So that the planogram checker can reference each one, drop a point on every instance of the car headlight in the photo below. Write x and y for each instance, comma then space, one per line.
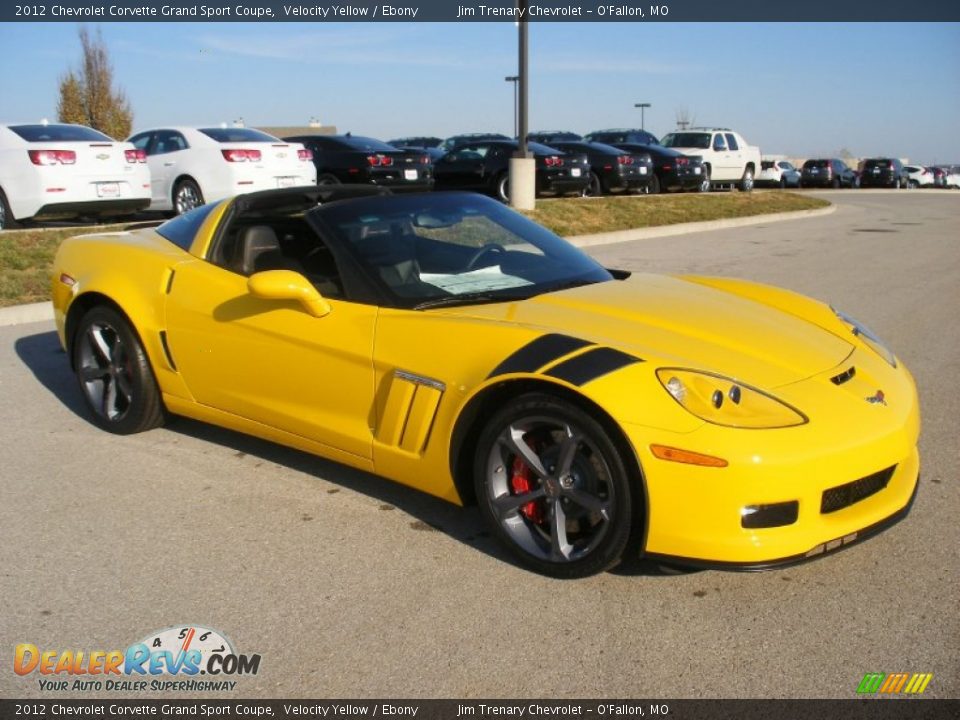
868, 336
723, 401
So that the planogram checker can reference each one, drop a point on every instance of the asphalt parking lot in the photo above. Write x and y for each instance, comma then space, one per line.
348, 586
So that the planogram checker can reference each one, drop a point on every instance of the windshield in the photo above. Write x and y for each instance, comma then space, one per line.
699, 140
454, 249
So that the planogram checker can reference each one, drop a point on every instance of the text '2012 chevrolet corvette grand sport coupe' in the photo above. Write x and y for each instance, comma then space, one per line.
450, 344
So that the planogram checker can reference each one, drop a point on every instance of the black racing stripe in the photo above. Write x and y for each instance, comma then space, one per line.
590, 365
537, 353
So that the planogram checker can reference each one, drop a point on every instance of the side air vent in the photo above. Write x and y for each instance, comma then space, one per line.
844, 376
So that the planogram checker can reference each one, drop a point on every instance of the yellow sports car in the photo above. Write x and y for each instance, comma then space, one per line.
450, 344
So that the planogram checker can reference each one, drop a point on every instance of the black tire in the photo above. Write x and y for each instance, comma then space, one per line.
746, 181
595, 188
568, 465
501, 187
654, 186
783, 183
328, 179
114, 374
912, 184
7, 222
186, 196
835, 184
896, 184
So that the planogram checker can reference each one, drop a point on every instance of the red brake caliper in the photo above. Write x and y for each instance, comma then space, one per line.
522, 482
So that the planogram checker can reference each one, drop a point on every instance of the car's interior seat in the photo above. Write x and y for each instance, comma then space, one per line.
261, 251
391, 251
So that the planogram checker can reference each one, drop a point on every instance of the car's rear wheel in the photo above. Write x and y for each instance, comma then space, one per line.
328, 179
835, 184
912, 184
114, 374
746, 181
783, 183
6, 214
595, 188
186, 196
896, 184
553, 487
654, 187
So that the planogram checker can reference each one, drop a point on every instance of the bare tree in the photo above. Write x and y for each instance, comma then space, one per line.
87, 96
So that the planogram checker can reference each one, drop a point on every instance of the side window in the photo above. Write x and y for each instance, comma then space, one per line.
168, 141
470, 152
254, 244
732, 142
718, 144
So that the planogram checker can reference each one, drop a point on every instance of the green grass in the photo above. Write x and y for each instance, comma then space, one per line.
616, 213
26, 256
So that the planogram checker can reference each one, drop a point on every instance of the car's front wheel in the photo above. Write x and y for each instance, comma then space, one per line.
186, 196
114, 374
553, 487
501, 187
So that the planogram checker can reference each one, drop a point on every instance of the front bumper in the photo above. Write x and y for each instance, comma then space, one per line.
696, 514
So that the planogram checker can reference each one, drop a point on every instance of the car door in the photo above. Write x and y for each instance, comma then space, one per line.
165, 155
271, 361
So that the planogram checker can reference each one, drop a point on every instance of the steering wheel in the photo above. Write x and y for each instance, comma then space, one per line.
491, 248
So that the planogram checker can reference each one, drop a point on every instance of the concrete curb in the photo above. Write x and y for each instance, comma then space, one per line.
23, 314
619, 236
42, 312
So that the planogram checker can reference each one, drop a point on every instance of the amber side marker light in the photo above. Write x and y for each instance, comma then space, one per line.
673, 454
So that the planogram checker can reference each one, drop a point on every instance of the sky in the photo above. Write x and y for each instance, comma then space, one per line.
796, 89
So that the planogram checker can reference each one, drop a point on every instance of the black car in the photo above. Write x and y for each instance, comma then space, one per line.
618, 136
611, 169
672, 170
884, 172
356, 159
483, 165
552, 137
828, 172
455, 141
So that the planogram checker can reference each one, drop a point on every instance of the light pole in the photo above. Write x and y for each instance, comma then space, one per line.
514, 79
523, 171
642, 106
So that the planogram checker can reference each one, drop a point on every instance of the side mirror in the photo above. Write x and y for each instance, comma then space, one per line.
288, 285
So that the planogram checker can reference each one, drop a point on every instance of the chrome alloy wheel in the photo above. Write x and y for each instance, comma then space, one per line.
187, 198
550, 489
105, 371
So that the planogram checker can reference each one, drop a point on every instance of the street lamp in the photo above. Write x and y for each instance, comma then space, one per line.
514, 79
642, 106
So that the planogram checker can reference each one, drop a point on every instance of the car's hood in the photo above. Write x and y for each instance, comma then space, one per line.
674, 322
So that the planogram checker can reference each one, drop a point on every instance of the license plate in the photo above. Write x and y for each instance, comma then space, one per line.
284, 182
111, 189
574, 172
696, 171
876, 171
643, 170
409, 174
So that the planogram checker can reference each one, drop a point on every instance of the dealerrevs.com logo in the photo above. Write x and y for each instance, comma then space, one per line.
167, 660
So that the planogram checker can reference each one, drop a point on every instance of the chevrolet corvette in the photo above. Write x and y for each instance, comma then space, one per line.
448, 343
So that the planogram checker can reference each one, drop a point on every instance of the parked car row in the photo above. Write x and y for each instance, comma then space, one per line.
59, 170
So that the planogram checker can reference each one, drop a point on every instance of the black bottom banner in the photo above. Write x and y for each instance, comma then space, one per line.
865, 709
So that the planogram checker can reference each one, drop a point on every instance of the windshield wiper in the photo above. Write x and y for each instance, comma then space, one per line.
474, 298
568, 284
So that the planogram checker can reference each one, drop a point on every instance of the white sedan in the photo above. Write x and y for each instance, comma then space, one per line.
60, 170
193, 166
919, 176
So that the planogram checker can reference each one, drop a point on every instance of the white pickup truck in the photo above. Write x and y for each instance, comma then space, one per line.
727, 158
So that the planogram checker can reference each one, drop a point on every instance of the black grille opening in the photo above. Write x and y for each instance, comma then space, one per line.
846, 495
844, 376
767, 516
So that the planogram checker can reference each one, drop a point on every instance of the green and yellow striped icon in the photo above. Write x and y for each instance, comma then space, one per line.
893, 683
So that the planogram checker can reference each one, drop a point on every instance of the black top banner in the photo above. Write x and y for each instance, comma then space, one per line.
485, 11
